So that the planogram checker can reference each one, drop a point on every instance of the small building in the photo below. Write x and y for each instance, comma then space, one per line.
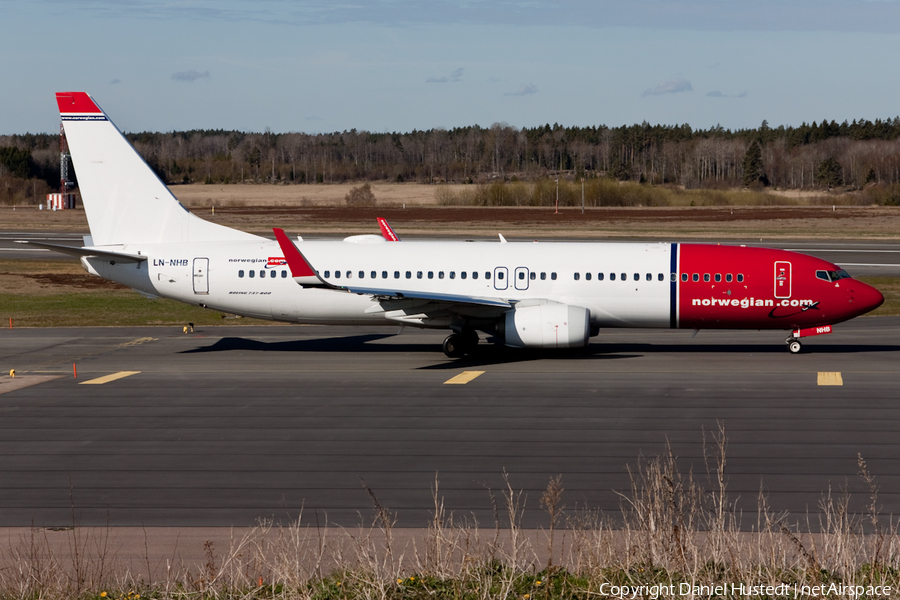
60, 201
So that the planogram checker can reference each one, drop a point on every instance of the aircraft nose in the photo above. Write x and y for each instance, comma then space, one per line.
865, 298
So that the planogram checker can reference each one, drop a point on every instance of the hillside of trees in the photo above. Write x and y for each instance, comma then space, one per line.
825, 155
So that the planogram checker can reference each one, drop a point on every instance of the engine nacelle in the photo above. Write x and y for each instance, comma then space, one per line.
550, 325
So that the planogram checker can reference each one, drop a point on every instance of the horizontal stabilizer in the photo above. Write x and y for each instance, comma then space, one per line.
76, 251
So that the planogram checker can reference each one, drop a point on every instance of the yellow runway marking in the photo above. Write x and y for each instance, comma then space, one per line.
464, 377
108, 378
830, 378
137, 342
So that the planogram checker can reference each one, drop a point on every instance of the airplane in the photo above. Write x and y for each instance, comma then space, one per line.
524, 294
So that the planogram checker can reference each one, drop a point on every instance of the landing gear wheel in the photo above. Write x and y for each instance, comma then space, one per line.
794, 346
454, 346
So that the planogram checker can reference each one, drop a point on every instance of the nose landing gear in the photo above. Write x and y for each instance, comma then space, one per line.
793, 341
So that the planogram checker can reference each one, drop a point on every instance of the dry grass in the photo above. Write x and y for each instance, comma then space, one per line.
386, 194
674, 529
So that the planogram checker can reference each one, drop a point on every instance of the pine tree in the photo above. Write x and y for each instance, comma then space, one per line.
753, 166
829, 172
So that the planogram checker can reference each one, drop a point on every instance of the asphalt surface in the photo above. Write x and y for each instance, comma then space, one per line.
228, 425
859, 258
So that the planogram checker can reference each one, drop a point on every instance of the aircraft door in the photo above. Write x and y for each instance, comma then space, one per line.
501, 278
521, 278
201, 275
782, 279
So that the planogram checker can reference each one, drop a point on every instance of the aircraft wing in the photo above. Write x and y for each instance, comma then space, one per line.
387, 231
306, 276
90, 252
398, 294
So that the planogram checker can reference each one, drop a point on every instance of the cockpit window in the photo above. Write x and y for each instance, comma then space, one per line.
832, 275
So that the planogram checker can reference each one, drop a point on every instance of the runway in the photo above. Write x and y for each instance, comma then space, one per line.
232, 424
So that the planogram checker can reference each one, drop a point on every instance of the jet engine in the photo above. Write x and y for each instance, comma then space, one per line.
549, 325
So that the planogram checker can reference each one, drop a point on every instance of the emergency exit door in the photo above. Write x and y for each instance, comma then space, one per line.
782, 279
201, 278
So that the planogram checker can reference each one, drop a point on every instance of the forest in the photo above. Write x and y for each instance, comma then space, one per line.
822, 155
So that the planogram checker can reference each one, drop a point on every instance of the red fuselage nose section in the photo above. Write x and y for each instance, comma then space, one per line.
759, 288
863, 297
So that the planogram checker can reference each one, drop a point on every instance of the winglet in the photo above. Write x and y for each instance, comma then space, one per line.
387, 231
301, 270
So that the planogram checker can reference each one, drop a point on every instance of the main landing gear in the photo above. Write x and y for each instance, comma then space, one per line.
458, 345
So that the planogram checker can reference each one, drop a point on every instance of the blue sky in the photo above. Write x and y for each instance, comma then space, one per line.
398, 65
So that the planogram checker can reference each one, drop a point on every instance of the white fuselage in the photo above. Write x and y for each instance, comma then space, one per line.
250, 278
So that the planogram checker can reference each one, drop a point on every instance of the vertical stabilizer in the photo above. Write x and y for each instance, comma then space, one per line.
124, 200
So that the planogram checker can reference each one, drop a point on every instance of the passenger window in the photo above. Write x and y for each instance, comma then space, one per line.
337, 274
452, 274
500, 275
262, 273
384, 275
440, 274
706, 277
487, 274
418, 274
474, 274
253, 273
728, 277
684, 276
374, 274
718, 277
430, 274
612, 276
396, 274
577, 276
409, 274
521, 275
587, 276
543, 276
327, 274
637, 276
349, 274
463, 274
662, 277
553, 276
533, 276
362, 274
283, 274
695, 277
624, 276
740, 277
241, 273
599, 276
650, 277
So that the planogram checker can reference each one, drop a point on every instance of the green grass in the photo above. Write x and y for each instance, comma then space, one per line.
106, 308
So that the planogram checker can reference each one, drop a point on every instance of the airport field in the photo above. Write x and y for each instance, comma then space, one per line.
320, 210
149, 485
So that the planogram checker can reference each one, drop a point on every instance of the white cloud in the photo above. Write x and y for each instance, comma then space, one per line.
454, 76
672, 86
718, 94
190, 76
524, 90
